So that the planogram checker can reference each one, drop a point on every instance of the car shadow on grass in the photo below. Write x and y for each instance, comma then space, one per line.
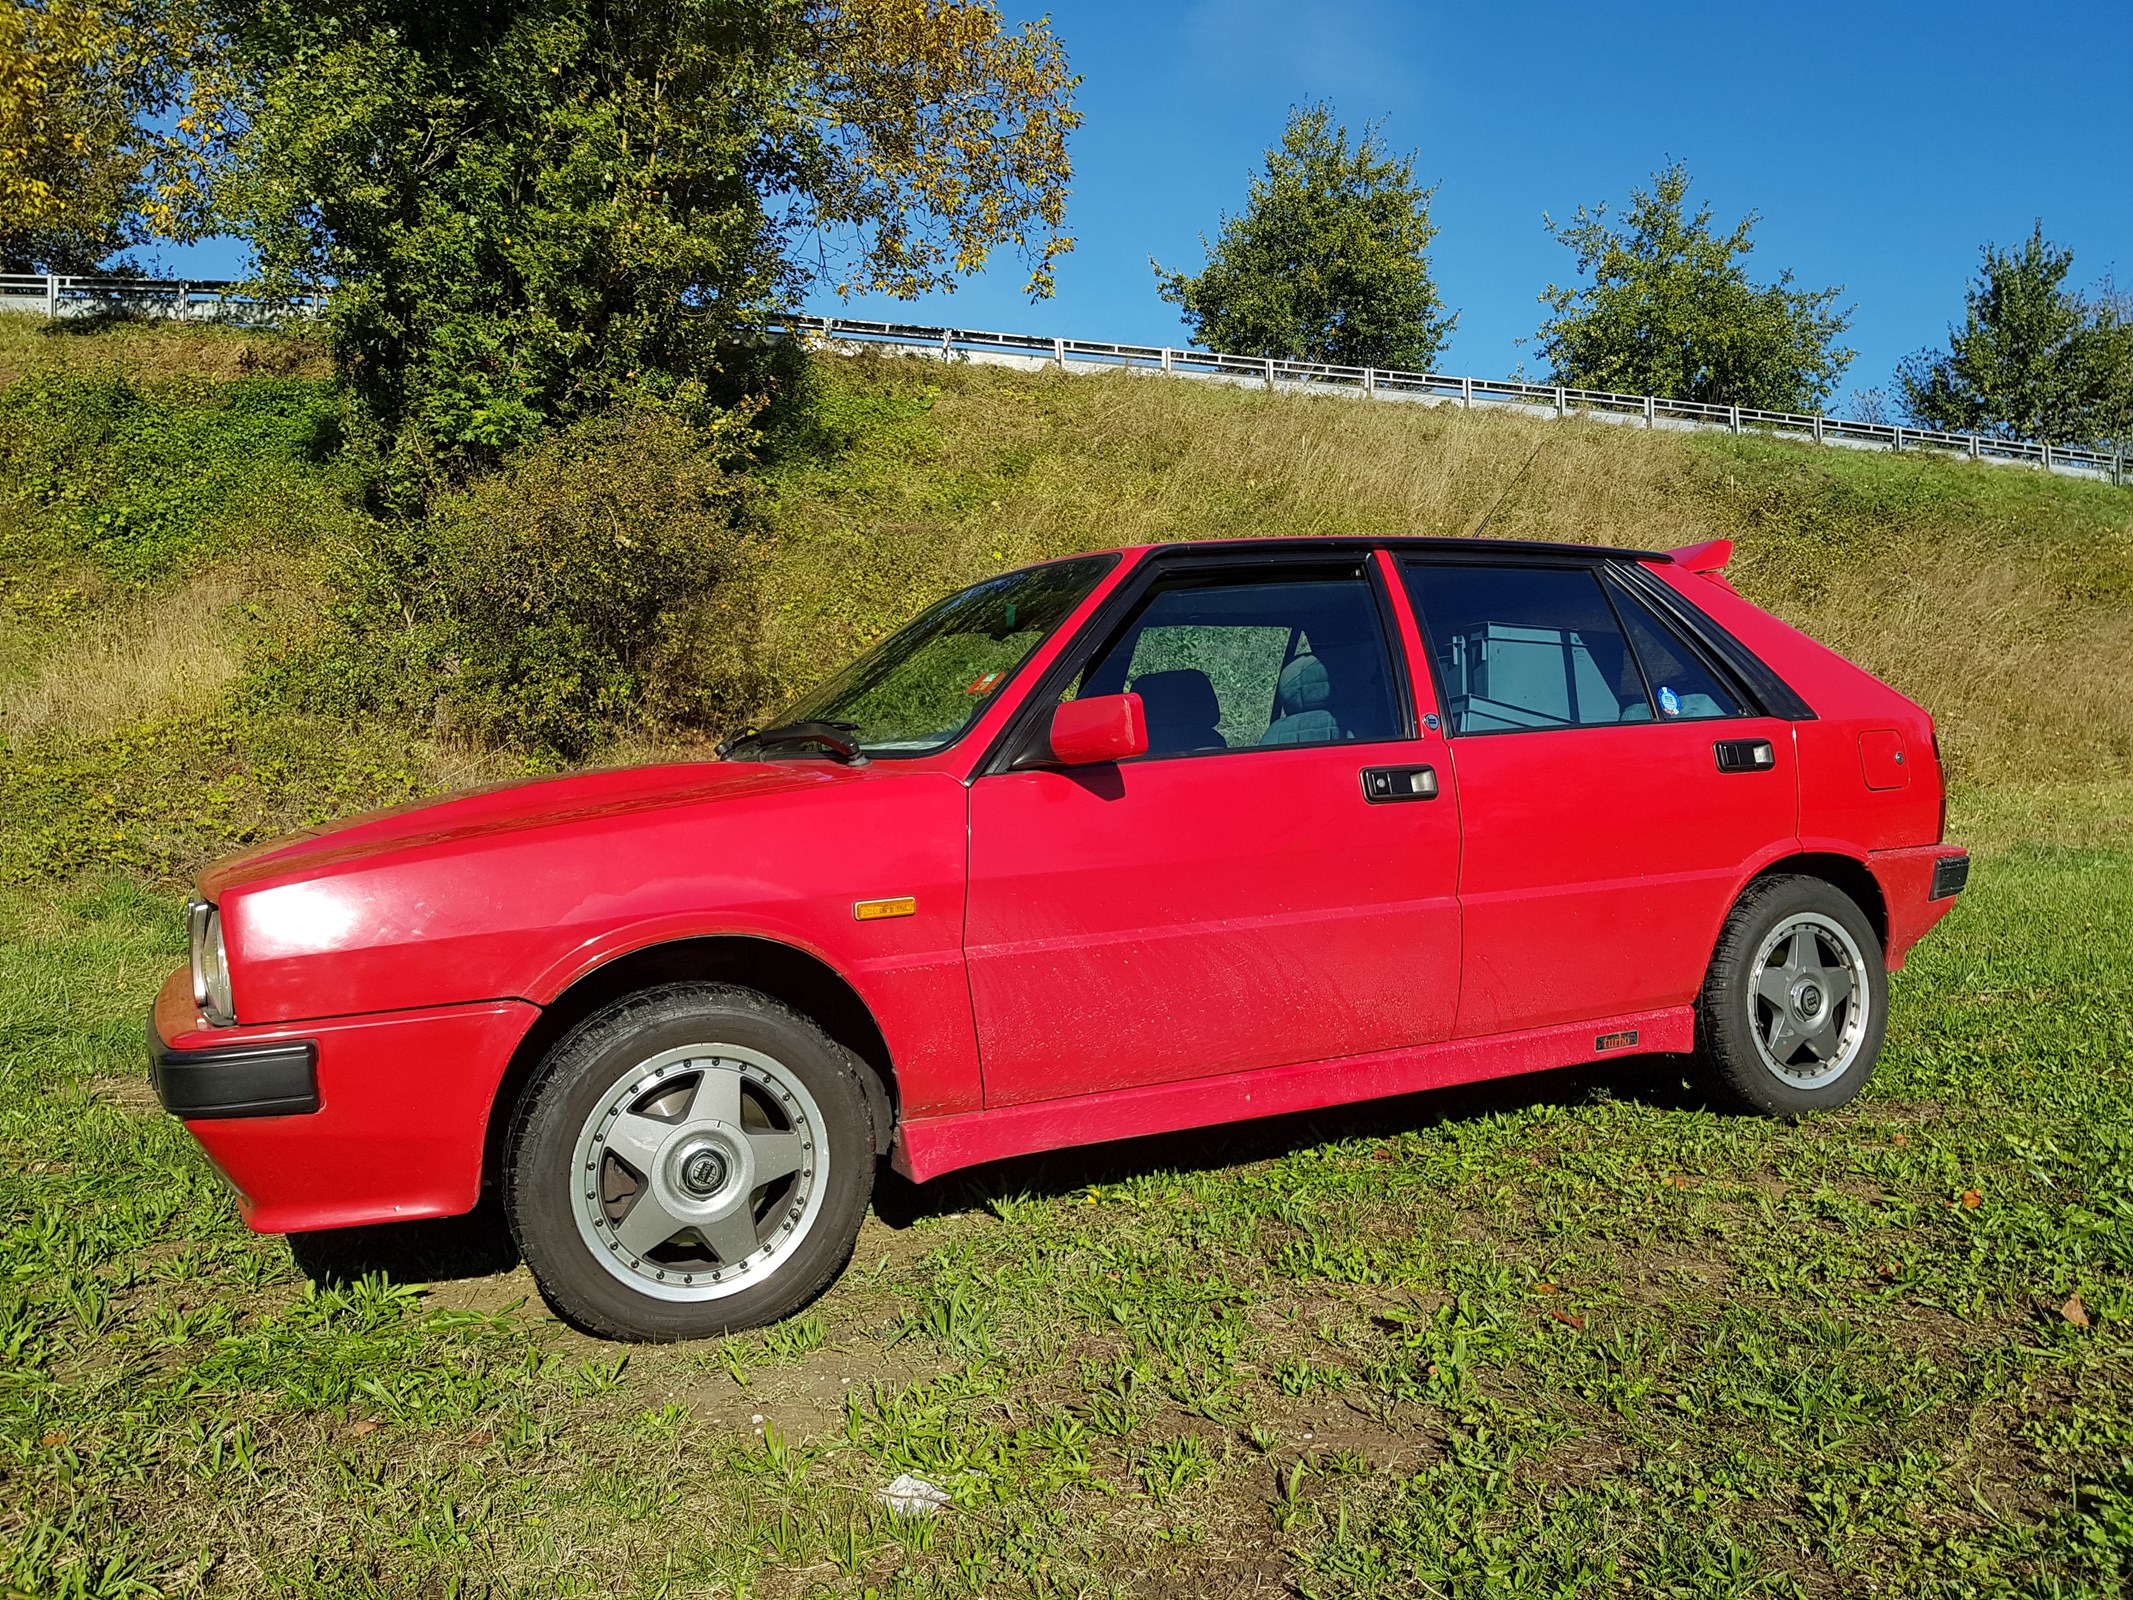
438, 1250
479, 1244
1664, 1083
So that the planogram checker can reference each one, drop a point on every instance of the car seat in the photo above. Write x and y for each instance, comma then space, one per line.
1303, 705
1182, 711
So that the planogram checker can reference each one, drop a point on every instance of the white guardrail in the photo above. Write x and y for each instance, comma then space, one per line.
216, 300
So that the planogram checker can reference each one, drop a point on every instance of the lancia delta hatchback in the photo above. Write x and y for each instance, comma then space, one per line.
1115, 845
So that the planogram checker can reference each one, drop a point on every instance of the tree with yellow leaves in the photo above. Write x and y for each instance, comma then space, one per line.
110, 117
524, 212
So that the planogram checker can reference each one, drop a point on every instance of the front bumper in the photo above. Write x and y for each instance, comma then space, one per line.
338, 1123
246, 1080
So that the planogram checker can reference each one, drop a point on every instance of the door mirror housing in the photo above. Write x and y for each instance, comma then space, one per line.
1103, 727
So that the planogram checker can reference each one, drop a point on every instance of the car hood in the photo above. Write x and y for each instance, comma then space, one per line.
512, 808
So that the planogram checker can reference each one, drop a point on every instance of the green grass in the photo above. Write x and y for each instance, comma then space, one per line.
1568, 1335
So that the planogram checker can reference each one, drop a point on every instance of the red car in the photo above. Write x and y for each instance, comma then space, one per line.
1118, 844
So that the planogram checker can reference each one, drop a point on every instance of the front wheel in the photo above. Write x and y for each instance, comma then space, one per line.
692, 1160
1796, 1001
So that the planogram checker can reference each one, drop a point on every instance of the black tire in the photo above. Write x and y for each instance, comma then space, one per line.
1744, 1052
584, 1086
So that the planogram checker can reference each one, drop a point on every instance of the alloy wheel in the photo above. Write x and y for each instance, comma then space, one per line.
699, 1172
1808, 1000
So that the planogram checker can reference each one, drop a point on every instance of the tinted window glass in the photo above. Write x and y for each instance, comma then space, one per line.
1684, 687
1526, 648
1269, 662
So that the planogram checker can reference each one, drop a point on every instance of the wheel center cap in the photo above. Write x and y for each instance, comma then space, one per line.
703, 1172
1808, 1000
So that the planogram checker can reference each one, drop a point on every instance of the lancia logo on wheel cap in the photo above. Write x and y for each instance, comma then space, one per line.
704, 1172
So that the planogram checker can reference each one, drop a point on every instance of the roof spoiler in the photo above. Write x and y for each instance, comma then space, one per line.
1710, 556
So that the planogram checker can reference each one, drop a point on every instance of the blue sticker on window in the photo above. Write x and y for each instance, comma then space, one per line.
1669, 702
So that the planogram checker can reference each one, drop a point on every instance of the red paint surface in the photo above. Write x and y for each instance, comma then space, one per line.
1103, 727
1906, 878
404, 1103
942, 1144
1882, 760
1095, 953
1601, 861
1171, 919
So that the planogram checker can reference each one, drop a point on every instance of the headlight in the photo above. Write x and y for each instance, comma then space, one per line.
211, 965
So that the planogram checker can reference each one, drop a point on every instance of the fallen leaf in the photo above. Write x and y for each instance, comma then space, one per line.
367, 1425
1971, 1199
52, 1441
2074, 1311
1569, 1319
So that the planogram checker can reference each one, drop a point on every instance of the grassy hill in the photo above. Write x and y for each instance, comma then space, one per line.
1570, 1334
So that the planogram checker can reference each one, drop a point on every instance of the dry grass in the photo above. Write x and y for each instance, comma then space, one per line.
153, 350
2024, 686
144, 658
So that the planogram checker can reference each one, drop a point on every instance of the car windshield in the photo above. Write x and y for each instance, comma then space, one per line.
917, 690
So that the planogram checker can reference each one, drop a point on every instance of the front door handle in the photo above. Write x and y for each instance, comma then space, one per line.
1388, 785
1744, 755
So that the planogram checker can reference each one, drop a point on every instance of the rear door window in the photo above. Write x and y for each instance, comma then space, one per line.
1520, 649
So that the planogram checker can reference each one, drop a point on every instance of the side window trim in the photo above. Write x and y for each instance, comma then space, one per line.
1629, 644
1394, 644
1694, 642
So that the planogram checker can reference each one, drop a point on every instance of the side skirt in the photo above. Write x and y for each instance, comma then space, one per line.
929, 1146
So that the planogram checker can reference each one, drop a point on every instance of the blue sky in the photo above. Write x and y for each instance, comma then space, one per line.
1881, 143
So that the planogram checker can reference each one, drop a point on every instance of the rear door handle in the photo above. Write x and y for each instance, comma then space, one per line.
1388, 785
1745, 755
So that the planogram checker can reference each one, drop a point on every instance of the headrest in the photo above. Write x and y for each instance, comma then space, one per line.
1183, 695
1303, 686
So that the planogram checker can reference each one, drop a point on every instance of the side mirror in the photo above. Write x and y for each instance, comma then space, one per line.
1104, 727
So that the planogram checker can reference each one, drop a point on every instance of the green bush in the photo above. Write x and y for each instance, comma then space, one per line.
164, 796
142, 479
586, 588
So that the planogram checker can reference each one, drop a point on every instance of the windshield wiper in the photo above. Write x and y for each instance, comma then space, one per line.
834, 737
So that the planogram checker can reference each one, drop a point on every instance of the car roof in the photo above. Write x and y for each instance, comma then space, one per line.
1304, 544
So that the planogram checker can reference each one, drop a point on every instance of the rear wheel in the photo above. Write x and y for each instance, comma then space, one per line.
1796, 1001
692, 1160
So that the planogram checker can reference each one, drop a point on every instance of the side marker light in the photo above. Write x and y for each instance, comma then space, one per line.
875, 910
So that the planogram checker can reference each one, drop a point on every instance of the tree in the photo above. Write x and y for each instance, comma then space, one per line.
535, 210
108, 113
1328, 262
2033, 359
1669, 311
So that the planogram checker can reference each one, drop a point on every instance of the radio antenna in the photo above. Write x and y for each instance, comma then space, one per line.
1507, 488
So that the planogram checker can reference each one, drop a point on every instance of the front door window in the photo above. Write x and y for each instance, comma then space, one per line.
1252, 664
